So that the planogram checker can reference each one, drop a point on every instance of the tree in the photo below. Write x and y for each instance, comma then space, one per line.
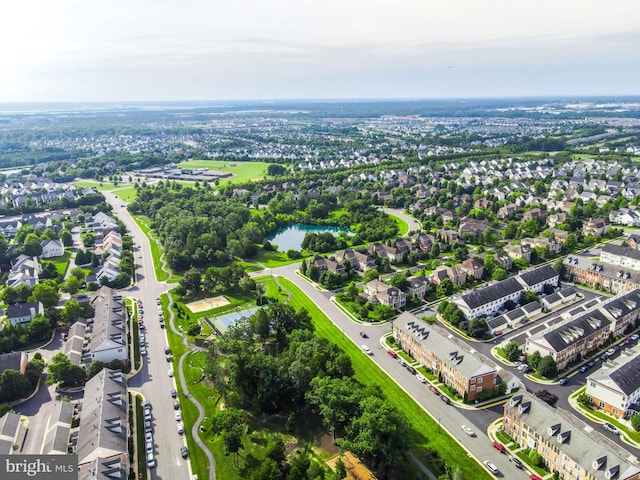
570, 243
490, 264
635, 422
61, 370
72, 285
536, 458
192, 281
313, 273
78, 273
399, 280
445, 288
336, 399
71, 311
499, 273
379, 434
547, 367
32, 245
46, 293
584, 400
39, 328
66, 237
371, 274
534, 359
13, 385
512, 351
95, 368
528, 296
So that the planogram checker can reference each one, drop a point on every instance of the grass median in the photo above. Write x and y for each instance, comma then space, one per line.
427, 434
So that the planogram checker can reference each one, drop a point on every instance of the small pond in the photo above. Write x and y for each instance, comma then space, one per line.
291, 236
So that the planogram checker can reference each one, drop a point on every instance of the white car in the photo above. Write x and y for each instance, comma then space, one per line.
421, 378
143, 352
151, 461
180, 428
366, 350
149, 447
148, 437
178, 416
492, 468
468, 431
171, 373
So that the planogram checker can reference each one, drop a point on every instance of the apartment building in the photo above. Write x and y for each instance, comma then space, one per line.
567, 445
469, 373
615, 387
108, 339
490, 299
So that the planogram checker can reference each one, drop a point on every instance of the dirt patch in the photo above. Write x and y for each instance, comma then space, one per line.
325, 442
355, 469
290, 447
207, 304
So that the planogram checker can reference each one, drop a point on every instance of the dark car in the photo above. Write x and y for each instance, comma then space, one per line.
434, 389
174, 393
584, 368
563, 381
516, 462
591, 363
176, 405
364, 335
184, 452
445, 399
412, 370
167, 351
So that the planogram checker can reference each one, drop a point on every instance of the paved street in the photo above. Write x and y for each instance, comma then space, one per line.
153, 380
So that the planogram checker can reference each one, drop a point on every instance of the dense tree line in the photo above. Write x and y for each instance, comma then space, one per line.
199, 227
15, 385
272, 363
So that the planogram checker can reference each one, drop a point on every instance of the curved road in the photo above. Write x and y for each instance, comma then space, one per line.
414, 225
152, 380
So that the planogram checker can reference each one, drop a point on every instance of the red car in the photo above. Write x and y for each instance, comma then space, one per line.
533, 476
392, 353
498, 446
434, 389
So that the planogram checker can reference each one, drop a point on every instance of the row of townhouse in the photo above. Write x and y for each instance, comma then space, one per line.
39, 221
615, 387
618, 269
111, 245
566, 444
101, 440
580, 333
468, 372
102, 337
488, 300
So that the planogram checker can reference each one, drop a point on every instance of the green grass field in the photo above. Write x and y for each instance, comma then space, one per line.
156, 251
425, 429
62, 263
242, 171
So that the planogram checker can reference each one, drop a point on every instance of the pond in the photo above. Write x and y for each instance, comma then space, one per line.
290, 237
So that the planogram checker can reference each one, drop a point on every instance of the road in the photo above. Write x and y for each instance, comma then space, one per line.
153, 380
448, 417
414, 226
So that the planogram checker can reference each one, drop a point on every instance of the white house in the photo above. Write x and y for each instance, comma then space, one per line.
23, 313
109, 335
52, 248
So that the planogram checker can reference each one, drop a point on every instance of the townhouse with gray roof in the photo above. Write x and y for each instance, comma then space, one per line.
567, 444
109, 327
615, 387
571, 338
58, 431
12, 433
104, 424
467, 371
488, 300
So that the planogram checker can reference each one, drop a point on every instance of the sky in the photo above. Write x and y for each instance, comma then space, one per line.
152, 50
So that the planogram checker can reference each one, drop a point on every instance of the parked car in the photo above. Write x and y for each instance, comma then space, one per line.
176, 405
445, 399
634, 337
148, 437
171, 373
184, 452
421, 378
516, 462
178, 416
612, 428
498, 446
149, 447
180, 428
364, 335
167, 351
412, 370
174, 393
491, 467
147, 426
533, 476
563, 381
611, 351
366, 350
434, 389
151, 461
467, 429
584, 368
392, 354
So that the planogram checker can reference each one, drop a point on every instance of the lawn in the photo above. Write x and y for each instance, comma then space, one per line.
403, 227
132, 306
140, 444
156, 250
242, 171
524, 456
425, 429
274, 259
273, 290
62, 263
